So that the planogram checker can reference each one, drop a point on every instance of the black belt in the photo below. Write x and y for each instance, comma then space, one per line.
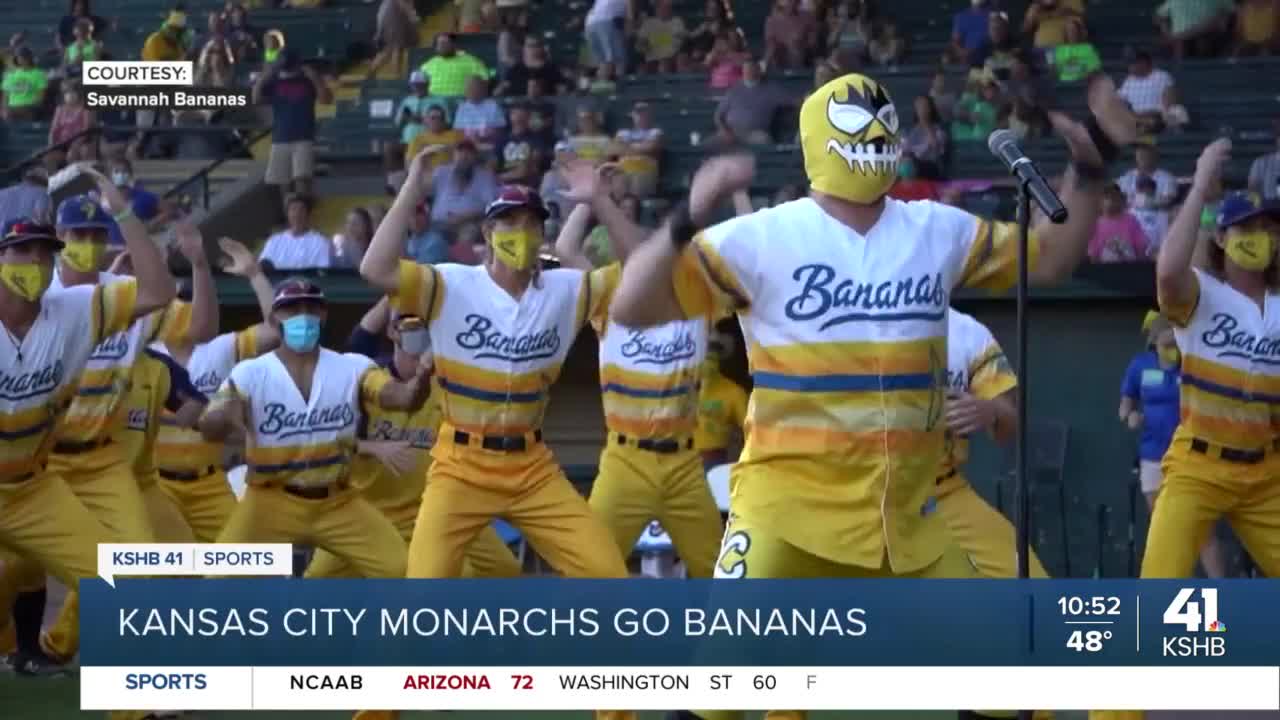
311, 493
179, 476
1231, 455
498, 443
21, 478
663, 447
79, 448
948, 476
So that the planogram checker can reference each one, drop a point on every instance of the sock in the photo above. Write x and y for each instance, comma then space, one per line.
28, 616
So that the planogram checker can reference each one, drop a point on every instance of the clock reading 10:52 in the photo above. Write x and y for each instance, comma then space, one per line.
1089, 606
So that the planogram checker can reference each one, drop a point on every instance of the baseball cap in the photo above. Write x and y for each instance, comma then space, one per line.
82, 212
176, 19
24, 230
296, 290
514, 197
1238, 207
417, 78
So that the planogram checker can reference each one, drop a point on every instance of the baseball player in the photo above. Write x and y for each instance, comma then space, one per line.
499, 333
847, 332
52, 332
395, 450
722, 405
190, 468
649, 469
299, 408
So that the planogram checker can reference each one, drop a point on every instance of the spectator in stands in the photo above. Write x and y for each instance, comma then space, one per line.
726, 59
460, 191
977, 112
1046, 21
1264, 173
715, 21
590, 142
299, 246
554, 184
350, 244
1076, 58
1025, 120
1153, 219
438, 133
71, 119
790, 35
82, 47
639, 150
1257, 27
411, 115
1194, 27
28, 198
604, 28
216, 66
849, 28
79, 10
215, 33
165, 44
1150, 190
470, 15
535, 65
1000, 52
661, 37
150, 209
293, 90
512, 36
542, 115
1145, 88
887, 46
1117, 236
422, 247
605, 80
23, 86
450, 69
944, 99
969, 33
395, 36
910, 185
479, 116
245, 38
523, 151
926, 142
747, 111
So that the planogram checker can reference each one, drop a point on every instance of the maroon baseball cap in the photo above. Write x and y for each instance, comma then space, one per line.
514, 197
297, 290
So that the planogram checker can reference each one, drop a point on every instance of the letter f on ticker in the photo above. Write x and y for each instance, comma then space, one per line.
810, 680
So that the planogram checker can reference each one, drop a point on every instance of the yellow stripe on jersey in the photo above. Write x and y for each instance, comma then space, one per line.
113, 306
704, 284
1178, 313
144, 405
382, 488
992, 262
1226, 406
182, 449
419, 290
990, 376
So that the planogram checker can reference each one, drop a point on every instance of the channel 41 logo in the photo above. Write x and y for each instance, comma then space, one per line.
1195, 616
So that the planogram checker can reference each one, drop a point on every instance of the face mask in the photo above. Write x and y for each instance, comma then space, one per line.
27, 280
415, 342
849, 138
83, 255
1169, 354
119, 178
517, 249
1250, 249
301, 332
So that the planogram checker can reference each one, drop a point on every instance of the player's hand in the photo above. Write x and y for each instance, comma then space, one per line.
191, 243
1209, 166
1134, 420
237, 260
967, 414
717, 179
112, 198
585, 179
419, 170
398, 457
122, 264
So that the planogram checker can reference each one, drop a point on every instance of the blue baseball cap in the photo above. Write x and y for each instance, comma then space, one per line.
19, 231
1238, 207
83, 212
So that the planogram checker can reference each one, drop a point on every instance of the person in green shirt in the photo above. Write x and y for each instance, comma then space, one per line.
976, 112
23, 87
83, 48
1077, 58
451, 68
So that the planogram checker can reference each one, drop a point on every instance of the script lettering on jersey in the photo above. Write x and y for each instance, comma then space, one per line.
646, 350
822, 292
421, 438
1232, 342
283, 423
113, 348
16, 387
207, 382
488, 343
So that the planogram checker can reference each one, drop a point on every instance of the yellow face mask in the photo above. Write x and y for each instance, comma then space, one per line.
27, 280
1169, 354
84, 255
1250, 249
849, 135
517, 249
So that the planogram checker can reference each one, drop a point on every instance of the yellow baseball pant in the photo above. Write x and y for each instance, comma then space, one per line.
166, 519
487, 556
635, 486
983, 533
104, 481
206, 502
749, 550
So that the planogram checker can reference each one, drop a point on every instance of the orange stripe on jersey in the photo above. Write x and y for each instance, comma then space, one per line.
478, 400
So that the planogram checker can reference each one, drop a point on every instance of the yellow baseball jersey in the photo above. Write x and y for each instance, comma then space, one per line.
976, 364
181, 449
1230, 365
297, 441
847, 344
722, 408
38, 374
145, 401
384, 489
97, 411
496, 356
649, 378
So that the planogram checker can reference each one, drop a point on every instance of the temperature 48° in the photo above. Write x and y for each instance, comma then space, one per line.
1088, 640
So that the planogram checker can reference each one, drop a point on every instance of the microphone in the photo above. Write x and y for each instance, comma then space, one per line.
1004, 145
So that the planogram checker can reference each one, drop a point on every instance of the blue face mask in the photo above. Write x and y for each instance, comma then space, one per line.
301, 332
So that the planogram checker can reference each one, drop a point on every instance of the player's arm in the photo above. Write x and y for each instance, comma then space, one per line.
1177, 288
572, 236
381, 263
1130, 411
261, 338
366, 336
184, 400
227, 413
669, 276
156, 287
379, 387
202, 324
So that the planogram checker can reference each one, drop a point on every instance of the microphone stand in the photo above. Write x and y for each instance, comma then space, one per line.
1021, 490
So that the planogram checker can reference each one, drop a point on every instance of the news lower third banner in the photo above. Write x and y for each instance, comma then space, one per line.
552, 643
